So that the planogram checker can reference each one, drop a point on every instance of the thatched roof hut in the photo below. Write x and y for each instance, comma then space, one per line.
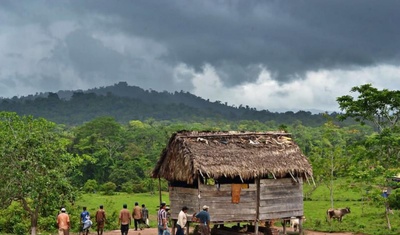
230, 154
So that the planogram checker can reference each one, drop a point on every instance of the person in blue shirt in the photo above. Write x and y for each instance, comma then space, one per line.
85, 220
203, 217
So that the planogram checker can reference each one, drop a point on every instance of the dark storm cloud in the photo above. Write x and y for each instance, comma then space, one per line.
237, 38
287, 37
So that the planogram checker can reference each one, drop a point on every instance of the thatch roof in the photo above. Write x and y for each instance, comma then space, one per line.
248, 155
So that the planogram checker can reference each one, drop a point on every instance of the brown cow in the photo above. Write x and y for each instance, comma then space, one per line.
337, 213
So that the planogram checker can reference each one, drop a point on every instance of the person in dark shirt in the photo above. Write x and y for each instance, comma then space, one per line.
203, 217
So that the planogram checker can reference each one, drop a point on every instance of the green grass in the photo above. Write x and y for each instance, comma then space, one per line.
366, 217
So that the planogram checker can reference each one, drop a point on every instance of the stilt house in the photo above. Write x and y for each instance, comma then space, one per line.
241, 176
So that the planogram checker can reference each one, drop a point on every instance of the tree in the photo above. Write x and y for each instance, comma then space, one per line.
101, 142
382, 108
34, 164
328, 156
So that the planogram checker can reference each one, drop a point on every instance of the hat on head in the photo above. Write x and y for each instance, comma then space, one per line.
205, 207
163, 204
167, 208
62, 209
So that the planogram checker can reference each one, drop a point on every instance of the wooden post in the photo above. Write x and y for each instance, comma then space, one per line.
159, 189
198, 193
174, 226
187, 228
300, 226
257, 205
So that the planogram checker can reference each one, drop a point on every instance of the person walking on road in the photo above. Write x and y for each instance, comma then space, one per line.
145, 216
124, 220
100, 220
137, 216
162, 219
63, 222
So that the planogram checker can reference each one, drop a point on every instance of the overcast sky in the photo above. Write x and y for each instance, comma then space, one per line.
275, 55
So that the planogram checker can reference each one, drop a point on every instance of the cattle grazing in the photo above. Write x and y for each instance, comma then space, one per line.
337, 213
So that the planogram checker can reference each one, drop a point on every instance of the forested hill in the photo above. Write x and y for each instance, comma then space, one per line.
125, 103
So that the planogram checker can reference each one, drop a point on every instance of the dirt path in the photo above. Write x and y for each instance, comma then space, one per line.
153, 231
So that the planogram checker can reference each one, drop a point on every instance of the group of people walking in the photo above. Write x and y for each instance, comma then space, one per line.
140, 217
86, 223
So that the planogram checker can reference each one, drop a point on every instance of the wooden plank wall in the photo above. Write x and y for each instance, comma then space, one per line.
220, 202
180, 197
279, 198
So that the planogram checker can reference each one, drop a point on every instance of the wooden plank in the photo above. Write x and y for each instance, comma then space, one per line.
282, 201
267, 197
243, 199
276, 208
280, 181
282, 214
232, 218
233, 211
257, 205
173, 196
183, 190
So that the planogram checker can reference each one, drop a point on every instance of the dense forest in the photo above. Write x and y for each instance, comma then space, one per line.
77, 146
125, 103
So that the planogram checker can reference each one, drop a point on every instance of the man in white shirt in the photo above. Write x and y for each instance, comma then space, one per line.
182, 219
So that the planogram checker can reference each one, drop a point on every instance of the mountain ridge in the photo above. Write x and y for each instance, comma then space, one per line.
125, 102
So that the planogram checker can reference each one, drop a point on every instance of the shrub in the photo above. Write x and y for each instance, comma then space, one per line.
90, 186
20, 228
394, 199
109, 188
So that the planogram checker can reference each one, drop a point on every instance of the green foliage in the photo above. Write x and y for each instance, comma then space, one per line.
381, 107
90, 186
394, 199
34, 163
12, 217
108, 188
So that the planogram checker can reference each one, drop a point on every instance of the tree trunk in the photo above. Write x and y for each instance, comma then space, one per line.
331, 186
387, 216
34, 221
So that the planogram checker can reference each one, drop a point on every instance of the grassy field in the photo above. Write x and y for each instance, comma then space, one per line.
366, 217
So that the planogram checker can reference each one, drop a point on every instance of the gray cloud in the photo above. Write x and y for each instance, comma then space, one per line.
102, 42
287, 37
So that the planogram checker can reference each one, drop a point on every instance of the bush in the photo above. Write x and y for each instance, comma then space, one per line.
127, 187
90, 186
109, 188
20, 229
47, 223
394, 199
